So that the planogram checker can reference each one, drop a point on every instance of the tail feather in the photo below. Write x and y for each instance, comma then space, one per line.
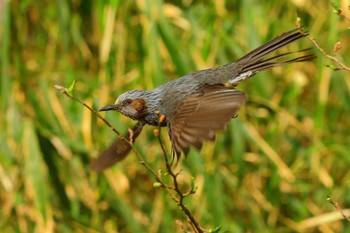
273, 45
256, 60
274, 61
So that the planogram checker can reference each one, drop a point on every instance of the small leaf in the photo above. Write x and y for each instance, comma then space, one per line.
71, 87
193, 185
332, 67
337, 46
215, 230
329, 199
157, 185
297, 21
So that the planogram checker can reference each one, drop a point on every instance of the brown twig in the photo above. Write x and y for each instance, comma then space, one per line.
64, 90
338, 10
345, 17
333, 58
178, 200
336, 205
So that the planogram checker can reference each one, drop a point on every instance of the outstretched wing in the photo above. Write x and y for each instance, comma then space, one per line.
201, 114
117, 151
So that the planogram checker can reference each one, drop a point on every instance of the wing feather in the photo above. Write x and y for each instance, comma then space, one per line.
201, 114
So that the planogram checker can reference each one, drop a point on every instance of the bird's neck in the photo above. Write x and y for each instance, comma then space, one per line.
154, 100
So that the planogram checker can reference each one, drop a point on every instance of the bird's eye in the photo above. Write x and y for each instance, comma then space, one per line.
128, 101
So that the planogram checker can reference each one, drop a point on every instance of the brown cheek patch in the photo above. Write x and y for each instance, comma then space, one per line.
139, 105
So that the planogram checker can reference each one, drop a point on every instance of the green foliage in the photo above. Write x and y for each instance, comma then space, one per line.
271, 170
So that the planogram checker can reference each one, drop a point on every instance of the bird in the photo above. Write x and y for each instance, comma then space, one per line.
199, 104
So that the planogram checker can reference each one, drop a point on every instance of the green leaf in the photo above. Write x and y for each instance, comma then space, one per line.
193, 185
71, 87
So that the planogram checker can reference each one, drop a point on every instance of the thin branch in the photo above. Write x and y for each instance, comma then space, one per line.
181, 196
142, 160
340, 12
336, 205
333, 58
345, 17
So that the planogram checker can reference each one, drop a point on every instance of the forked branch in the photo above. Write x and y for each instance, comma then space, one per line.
174, 191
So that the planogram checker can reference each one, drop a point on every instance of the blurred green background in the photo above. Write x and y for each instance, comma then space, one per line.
271, 170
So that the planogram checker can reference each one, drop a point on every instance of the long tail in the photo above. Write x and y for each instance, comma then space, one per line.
256, 60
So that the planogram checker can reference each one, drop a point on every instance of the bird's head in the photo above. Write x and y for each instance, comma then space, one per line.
131, 104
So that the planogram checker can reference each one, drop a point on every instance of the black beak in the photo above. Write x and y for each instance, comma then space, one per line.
108, 108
